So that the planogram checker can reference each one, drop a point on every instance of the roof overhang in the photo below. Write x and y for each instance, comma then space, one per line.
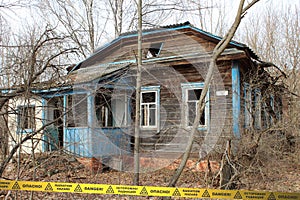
97, 72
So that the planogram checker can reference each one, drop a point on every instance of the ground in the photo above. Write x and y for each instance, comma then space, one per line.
282, 175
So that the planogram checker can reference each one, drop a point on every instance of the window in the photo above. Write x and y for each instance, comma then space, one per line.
26, 117
253, 107
266, 117
77, 110
111, 110
278, 107
119, 110
154, 50
272, 108
103, 110
248, 105
260, 110
191, 94
257, 108
149, 107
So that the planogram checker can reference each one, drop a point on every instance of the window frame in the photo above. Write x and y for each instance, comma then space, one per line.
123, 100
20, 118
248, 106
257, 109
103, 109
107, 102
253, 108
193, 86
154, 50
274, 102
75, 101
156, 90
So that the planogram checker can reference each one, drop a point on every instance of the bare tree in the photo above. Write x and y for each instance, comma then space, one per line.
31, 59
83, 21
7, 8
117, 11
278, 41
220, 47
138, 93
211, 16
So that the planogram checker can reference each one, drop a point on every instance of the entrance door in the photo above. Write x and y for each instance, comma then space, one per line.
54, 133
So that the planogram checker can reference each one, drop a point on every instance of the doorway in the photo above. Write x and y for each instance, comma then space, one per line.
54, 134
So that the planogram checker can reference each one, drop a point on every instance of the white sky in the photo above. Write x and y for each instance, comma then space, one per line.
20, 17
19, 14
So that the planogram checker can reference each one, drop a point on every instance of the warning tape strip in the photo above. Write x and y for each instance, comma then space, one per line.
145, 190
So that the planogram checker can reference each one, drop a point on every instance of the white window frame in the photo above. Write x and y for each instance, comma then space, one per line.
156, 90
193, 86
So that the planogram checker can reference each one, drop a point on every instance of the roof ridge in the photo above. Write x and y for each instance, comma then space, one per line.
187, 23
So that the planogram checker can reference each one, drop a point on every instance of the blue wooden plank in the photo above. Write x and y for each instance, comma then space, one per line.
236, 99
247, 105
97, 142
45, 138
65, 101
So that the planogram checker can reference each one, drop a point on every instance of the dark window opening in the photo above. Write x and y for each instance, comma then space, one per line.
111, 109
148, 97
77, 110
192, 106
154, 50
103, 110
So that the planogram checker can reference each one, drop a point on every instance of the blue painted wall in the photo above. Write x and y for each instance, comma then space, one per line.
97, 142
94, 142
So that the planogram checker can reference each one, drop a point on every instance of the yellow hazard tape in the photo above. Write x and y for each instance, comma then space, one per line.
145, 190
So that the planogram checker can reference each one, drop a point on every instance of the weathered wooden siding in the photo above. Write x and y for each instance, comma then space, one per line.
182, 42
171, 106
184, 57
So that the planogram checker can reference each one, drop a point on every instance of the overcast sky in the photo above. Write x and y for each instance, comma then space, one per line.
20, 17
19, 14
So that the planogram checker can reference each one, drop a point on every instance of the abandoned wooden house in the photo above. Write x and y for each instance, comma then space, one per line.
94, 113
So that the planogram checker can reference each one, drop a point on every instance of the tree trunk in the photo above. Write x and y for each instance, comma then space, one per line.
220, 47
137, 103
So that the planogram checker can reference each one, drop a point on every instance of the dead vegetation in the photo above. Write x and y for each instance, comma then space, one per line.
268, 160
273, 165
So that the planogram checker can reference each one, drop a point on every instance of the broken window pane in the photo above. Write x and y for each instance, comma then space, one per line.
193, 96
148, 97
154, 50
